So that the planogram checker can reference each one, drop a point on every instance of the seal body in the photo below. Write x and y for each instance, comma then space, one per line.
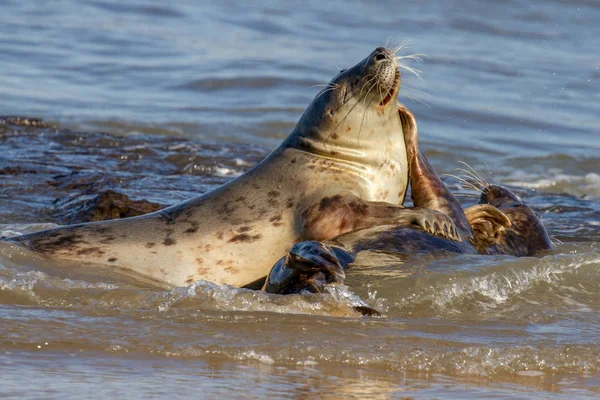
343, 168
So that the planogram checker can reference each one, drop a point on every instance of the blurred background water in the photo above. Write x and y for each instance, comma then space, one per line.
192, 94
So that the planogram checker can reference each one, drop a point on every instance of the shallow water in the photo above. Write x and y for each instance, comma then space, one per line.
193, 95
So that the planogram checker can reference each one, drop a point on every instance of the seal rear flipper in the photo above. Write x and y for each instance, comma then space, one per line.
309, 266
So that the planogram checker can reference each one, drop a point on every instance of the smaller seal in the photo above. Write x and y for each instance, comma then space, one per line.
499, 224
525, 236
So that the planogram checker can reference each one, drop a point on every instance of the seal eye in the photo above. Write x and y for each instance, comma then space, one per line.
379, 57
342, 70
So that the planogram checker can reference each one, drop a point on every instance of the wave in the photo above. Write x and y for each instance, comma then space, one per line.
507, 287
556, 181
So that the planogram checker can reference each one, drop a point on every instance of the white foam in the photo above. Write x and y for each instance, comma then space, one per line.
555, 180
226, 172
530, 373
500, 286
10, 230
262, 358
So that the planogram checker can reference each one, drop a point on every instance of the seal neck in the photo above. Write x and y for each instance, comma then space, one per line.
368, 137
327, 150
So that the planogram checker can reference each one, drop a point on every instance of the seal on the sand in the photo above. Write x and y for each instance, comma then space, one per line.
499, 224
343, 168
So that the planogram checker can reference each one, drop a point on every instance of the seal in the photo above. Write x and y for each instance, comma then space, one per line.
499, 224
342, 168
525, 236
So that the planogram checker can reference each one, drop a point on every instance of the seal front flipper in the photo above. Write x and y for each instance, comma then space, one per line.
486, 220
308, 266
431, 221
333, 216
427, 189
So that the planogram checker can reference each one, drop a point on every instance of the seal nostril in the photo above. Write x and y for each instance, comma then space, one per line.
379, 57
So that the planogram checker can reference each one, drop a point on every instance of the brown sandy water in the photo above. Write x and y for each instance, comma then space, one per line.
193, 95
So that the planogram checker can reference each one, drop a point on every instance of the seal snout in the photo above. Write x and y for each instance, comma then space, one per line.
381, 54
498, 196
384, 65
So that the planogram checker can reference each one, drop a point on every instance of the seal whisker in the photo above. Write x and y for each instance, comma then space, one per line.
378, 87
471, 176
387, 42
464, 182
361, 97
367, 79
363, 120
476, 174
323, 92
467, 185
474, 180
402, 45
322, 85
414, 71
551, 208
414, 89
417, 100
489, 173
328, 89
364, 98
374, 85
418, 57
358, 101
473, 171
407, 87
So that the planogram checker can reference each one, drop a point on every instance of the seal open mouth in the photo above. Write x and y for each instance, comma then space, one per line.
390, 93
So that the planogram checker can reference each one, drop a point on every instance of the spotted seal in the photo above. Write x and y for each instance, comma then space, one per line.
342, 168
499, 224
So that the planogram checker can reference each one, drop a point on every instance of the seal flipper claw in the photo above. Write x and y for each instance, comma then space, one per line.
435, 223
480, 213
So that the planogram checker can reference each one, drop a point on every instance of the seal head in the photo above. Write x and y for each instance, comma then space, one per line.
354, 117
523, 235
